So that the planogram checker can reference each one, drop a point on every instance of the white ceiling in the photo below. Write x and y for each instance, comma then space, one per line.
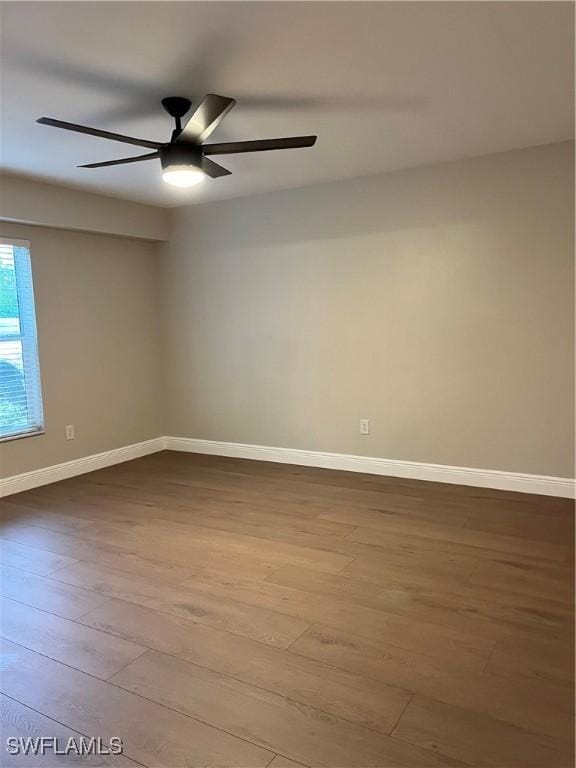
384, 85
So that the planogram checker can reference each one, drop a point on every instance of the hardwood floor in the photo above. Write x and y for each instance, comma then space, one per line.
221, 612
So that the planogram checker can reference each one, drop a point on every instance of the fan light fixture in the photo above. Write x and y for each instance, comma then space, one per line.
183, 175
184, 158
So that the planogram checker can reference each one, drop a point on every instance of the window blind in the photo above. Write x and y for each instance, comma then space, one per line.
20, 392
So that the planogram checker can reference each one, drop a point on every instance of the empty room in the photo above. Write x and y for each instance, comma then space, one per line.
287, 384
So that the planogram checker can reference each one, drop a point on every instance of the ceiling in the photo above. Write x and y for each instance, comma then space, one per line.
385, 85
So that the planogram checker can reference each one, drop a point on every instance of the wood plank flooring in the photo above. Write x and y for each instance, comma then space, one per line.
227, 613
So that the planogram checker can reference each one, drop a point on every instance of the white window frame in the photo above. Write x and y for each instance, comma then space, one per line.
29, 341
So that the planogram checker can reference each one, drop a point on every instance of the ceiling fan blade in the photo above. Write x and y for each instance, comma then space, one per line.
122, 161
207, 116
96, 132
213, 169
259, 145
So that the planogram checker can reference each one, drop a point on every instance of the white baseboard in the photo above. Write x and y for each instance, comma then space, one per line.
440, 473
38, 477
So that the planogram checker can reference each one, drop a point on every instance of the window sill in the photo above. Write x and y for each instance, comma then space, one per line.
20, 435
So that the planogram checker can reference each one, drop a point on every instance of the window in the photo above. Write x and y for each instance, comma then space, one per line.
20, 394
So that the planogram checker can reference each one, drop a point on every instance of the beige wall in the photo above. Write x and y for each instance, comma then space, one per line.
437, 302
98, 332
34, 202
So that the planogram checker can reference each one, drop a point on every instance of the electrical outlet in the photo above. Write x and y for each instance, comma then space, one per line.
70, 432
364, 426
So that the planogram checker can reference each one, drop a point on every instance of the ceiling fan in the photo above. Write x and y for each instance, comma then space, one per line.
184, 158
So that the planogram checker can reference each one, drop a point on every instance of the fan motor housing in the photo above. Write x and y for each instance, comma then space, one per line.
181, 154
